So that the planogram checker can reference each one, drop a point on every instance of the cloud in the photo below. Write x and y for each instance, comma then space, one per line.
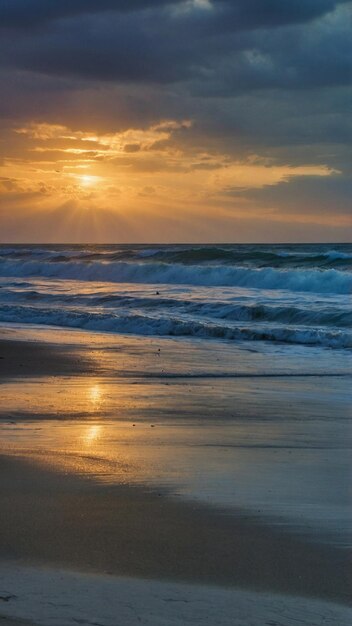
32, 13
227, 14
132, 147
231, 47
212, 103
309, 196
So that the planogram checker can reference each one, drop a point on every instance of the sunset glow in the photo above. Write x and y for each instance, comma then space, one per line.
175, 319
236, 145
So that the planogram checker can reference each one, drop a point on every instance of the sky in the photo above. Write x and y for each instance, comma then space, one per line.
175, 121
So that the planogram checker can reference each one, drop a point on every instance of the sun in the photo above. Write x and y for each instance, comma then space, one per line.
87, 181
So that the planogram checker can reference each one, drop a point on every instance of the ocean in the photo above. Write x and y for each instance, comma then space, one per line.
239, 355
292, 294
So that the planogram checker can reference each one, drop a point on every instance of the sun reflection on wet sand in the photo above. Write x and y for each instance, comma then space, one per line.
92, 434
222, 440
96, 395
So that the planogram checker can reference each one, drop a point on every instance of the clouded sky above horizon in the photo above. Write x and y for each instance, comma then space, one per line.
196, 120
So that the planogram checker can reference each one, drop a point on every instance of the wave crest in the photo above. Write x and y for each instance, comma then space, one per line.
169, 326
318, 281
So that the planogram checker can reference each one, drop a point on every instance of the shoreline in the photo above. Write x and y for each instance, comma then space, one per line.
61, 519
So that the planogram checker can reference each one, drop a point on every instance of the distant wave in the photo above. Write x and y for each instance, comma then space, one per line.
243, 256
318, 281
257, 257
171, 326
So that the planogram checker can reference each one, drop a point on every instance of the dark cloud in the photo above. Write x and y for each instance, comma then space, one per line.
307, 195
119, 49
219, 50
224, 14
240, 15
29, 13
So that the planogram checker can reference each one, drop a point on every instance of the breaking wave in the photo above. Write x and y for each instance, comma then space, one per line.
173, 327
318, 281
294, 294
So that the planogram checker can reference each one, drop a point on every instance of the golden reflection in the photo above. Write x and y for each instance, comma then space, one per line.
92, 434
95, 395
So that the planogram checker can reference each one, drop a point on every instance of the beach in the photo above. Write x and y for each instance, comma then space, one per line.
175, 434
175, 313
119, 503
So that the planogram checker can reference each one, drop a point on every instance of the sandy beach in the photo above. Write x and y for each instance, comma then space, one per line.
73, 508
52, 518
175, 313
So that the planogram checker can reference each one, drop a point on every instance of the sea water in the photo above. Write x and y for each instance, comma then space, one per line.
295, 294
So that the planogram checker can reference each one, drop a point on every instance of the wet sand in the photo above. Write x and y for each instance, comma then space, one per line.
22, 358
59, 518
52, 518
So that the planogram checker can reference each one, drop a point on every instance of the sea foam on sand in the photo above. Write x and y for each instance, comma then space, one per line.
56, 597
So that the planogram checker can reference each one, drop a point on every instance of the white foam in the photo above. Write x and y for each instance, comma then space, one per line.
162, 325
318, 281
